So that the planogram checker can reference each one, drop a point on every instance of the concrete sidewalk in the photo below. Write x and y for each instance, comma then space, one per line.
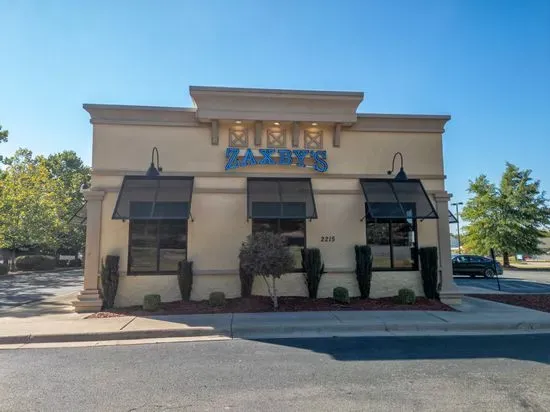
27, 325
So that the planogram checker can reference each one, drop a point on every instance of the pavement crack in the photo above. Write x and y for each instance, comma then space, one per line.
438, 317
130, 321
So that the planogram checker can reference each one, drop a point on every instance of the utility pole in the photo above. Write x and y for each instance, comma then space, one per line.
458, 223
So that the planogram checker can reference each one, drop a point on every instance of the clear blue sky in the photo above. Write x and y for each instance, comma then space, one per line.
485, 62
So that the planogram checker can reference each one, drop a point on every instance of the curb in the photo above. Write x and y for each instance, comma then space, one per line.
271, 331
118, 335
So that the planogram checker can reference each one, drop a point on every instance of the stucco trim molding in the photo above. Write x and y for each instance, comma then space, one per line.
399, 123
275, 104
122, 172
142, 115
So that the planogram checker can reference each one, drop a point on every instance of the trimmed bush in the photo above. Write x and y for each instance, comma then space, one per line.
185, 279
363, 269
216, 299
151, 303
109, 280
428, 269
313, 266
406, 297
35, 262
247, 280
341, 295
4, 269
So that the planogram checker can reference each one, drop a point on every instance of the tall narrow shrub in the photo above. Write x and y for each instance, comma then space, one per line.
363, 269
185, 279
313, 267
428, 269
109, 280
247, 280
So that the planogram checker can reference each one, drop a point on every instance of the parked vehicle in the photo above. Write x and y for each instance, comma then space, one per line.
472, 265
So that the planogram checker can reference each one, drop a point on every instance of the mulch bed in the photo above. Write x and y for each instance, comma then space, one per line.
531, 301
263, 304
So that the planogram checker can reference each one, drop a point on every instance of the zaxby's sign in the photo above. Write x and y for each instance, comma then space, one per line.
317, 159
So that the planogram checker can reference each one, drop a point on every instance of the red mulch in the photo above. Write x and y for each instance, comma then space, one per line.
286, 304
537, 302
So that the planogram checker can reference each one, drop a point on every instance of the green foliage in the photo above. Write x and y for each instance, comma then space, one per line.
406, 297
3, 135
314, 269
363, 269
38, 195
509, 218
4, 269
35, 262
151, 303
185, 279
340, 295
247, 280
428, 269
109, 280
266, 254
216, 299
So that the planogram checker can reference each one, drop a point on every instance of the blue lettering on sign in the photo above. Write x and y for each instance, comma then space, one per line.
285, 157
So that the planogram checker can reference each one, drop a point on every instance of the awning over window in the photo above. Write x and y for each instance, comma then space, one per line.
159, 197
391, 199
274, 198
452, 218
79, 217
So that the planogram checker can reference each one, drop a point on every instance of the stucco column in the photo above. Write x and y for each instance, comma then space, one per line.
89, 299
449, 292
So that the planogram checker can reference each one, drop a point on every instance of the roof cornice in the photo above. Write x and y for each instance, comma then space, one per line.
405, 123
141, 115
225, 103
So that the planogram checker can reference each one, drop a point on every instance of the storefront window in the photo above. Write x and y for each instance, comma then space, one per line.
157, 245
393, 243
294, 230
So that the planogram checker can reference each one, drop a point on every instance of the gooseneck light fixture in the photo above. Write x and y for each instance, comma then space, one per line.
154, 170
401, 175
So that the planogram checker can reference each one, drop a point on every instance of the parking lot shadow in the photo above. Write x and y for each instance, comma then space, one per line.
533, 347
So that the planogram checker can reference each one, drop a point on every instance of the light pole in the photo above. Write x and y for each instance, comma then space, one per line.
457, 222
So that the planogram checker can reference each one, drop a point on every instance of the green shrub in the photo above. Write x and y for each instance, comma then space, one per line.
4, 269
247, 280
109, 280
428, 269
363, 269
151, 303
185, 279
340, 294
406, 297
313, 266
35, 262
216, 299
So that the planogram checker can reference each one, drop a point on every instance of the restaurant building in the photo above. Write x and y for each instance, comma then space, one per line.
170, 183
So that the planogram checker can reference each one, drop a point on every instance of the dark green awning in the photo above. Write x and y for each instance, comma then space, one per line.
391, 199
159, 197
279, 198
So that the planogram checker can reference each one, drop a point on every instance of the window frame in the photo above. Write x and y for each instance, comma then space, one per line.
415, 257
295, 270
157, 223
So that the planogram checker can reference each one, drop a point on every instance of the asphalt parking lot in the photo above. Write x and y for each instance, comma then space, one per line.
512, 281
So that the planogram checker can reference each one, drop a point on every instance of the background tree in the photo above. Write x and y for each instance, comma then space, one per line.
509, 217
38, 197
3, 138
267, 255
31, 203
72, 173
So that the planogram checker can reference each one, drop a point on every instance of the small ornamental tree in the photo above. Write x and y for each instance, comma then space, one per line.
266, 254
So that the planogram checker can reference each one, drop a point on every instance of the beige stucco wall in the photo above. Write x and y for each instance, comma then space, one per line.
132, 289
219, 204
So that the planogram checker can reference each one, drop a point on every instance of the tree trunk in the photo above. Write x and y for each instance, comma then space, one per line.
275, 301
506, 259
13, 268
